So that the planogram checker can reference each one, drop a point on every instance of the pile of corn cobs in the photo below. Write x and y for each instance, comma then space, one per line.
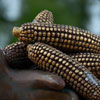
68, 51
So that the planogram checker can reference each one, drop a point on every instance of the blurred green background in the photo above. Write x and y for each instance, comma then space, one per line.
82, 13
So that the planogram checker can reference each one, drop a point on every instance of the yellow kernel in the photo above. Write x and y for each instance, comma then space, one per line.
39, 28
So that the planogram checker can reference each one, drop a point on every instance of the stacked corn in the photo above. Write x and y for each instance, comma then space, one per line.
68, 51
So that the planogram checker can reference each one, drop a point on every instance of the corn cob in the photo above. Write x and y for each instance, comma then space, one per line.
44, 17
16, 55
66, 38
75, 75
90, 61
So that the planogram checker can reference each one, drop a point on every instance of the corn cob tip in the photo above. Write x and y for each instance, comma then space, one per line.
16, 31
28, 47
